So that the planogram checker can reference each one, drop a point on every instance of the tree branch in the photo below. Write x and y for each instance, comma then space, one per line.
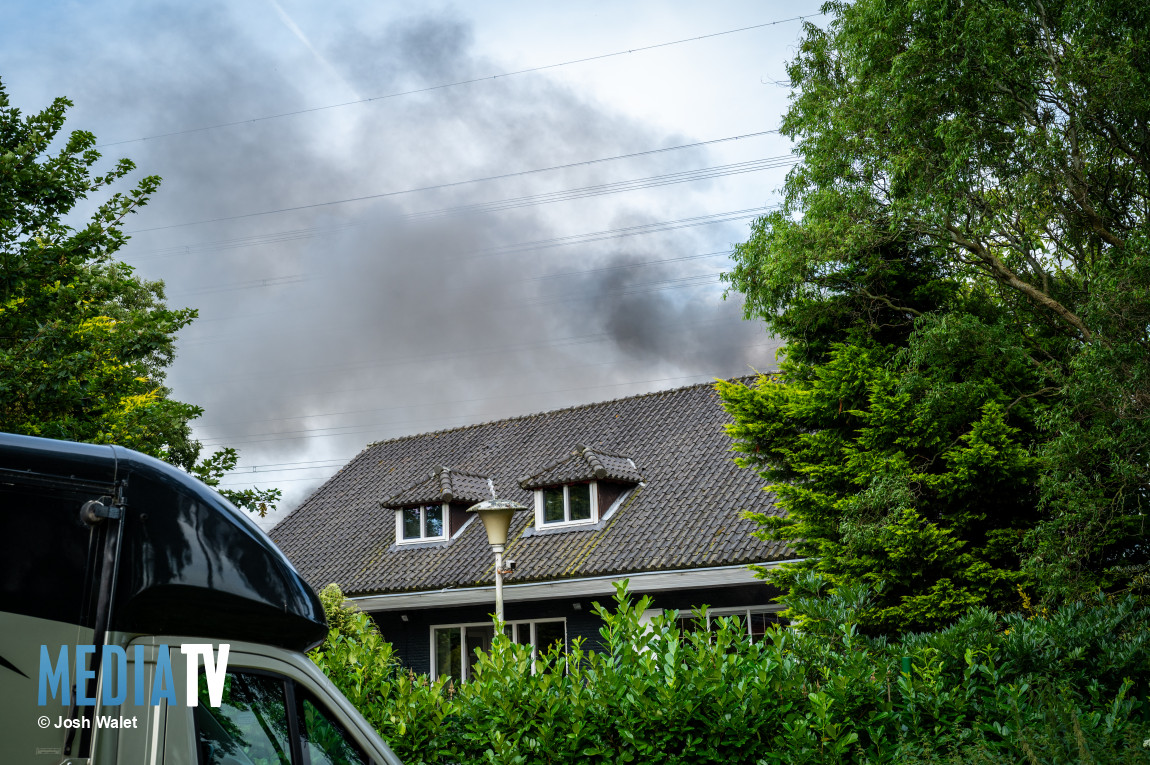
999, 271
887, 302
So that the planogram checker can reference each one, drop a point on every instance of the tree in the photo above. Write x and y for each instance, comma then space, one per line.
1006, 145
84, 342
897, 438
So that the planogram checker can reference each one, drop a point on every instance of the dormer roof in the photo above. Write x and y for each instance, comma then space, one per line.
583, 464
443, 485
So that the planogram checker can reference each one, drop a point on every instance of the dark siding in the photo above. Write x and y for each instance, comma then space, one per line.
609, 491
726, 597
412, 639
457, 516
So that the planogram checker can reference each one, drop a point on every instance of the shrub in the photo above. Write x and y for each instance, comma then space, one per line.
1066, 687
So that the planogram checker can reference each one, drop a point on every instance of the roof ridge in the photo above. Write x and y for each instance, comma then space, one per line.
574, 453
606, 454
439, 469
513, 418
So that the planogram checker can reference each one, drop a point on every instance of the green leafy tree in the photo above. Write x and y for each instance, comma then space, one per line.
897, 440
84, 342
1003, 146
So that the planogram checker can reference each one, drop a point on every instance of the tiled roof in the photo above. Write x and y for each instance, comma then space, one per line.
443, 485
688, 513
583, 464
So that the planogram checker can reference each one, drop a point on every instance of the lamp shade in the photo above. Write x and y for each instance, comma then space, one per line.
496, 516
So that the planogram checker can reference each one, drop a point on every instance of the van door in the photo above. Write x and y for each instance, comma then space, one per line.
273, 711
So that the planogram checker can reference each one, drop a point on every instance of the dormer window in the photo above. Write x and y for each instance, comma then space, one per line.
434, 508
421, 524
580, 488
570, 504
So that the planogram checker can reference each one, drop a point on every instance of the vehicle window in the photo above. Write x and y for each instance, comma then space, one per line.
250, 727
325, 740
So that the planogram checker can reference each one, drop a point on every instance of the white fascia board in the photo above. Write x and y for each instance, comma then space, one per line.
640, 582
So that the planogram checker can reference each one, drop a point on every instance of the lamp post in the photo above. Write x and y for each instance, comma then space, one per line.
496, 516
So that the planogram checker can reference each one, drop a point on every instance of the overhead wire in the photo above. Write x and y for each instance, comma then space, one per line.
450, 184
353, 429
677, 283
458, 83
614, 187
373, 410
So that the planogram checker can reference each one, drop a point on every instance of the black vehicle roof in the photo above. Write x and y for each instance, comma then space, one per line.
191, 563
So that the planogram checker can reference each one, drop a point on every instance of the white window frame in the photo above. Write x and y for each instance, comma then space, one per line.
540, 524
714, 613
399, 540
743, 611
516, 626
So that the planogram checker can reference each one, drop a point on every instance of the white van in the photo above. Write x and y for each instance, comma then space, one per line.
116, 572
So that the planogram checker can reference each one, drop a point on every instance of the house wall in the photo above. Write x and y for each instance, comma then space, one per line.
412, 639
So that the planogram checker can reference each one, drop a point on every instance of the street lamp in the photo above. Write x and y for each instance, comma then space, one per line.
496, 516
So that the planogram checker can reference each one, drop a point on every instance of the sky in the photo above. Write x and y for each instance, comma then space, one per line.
395, 218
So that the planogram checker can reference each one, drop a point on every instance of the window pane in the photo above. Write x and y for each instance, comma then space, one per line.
762, 621
553, 505
548, 634
250, 725
434, 520
326, 741
411, 523
580, 497
477, 638
447, 644
689, 624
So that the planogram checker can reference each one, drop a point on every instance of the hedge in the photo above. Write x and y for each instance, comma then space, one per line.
1070, 686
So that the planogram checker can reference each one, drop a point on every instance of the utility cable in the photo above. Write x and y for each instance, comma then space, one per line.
458, 83
450, 184
375, 410
352, 429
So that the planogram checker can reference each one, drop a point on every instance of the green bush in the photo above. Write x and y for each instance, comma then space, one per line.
1066, 687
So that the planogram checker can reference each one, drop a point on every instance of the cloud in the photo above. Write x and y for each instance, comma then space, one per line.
327, 327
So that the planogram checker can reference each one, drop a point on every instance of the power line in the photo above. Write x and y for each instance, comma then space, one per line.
636, 230
458, 83
678, 283
562, 241
277, 281
221, 440
352, 429
615, 187
451, 184
649, 182
376, 410
656, 262
300, 465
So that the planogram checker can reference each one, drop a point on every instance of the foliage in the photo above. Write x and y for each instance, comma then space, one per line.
84, 342
354, 655
898, 441
1070, 686
972, 191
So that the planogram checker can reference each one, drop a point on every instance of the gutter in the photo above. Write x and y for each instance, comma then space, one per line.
640, 582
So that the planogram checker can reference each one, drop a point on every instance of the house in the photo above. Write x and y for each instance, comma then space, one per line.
641, 488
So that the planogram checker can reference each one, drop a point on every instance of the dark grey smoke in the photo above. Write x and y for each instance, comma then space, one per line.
328, 327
